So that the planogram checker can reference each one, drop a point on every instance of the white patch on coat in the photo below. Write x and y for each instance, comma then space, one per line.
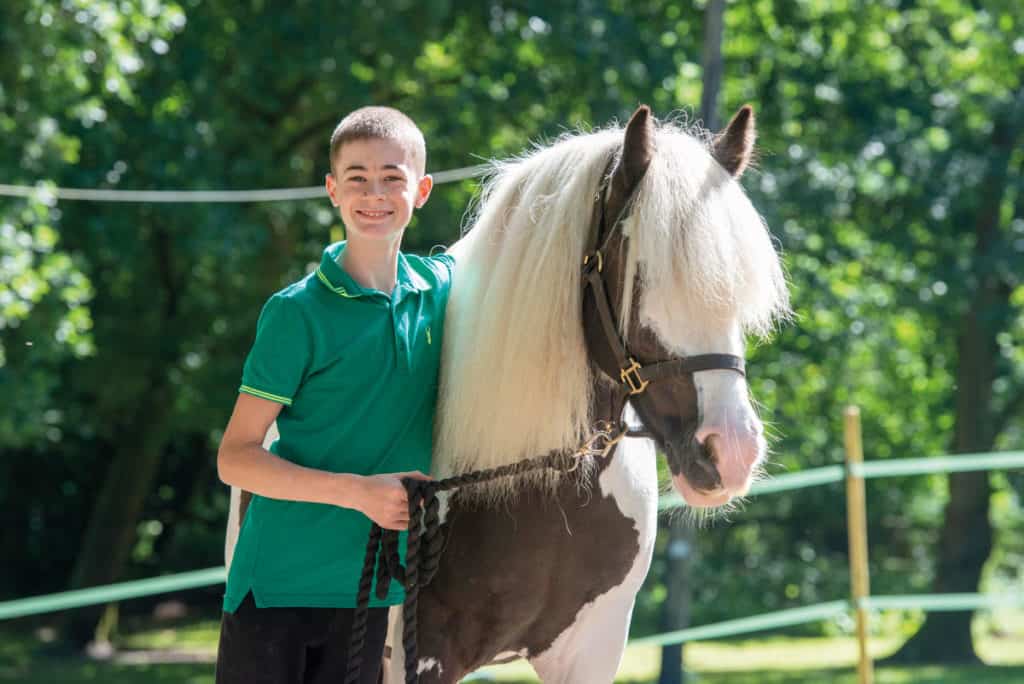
233, 528
394, 665
426, 664
506, 656
234, 521
589, 651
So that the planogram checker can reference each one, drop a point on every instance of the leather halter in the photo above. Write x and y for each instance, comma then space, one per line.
633, 377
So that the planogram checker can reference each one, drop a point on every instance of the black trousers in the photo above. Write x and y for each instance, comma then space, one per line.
295, 645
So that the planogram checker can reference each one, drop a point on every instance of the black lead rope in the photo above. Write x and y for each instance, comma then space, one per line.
382, 554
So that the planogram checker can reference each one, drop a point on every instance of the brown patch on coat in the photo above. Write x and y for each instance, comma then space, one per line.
515, 577
244, 499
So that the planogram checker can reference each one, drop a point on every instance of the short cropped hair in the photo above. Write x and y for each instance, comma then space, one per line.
381, 123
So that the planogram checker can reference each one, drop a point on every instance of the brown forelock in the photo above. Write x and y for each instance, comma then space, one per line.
515, 577
734, 146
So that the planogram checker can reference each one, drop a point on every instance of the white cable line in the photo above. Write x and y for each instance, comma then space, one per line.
205, 196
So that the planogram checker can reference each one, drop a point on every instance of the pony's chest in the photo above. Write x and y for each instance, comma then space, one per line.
631, 481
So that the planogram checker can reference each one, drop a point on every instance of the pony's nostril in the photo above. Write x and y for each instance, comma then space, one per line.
700, 469
707, 465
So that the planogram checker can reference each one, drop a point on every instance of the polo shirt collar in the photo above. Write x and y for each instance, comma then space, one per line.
335, 278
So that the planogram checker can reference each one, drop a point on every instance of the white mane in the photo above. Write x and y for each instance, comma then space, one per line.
515, 380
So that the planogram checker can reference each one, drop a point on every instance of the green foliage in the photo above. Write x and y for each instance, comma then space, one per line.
44, 317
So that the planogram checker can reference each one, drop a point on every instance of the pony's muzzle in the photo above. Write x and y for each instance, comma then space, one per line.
736, 457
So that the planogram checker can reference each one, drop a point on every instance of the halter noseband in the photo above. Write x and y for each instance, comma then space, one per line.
634, 377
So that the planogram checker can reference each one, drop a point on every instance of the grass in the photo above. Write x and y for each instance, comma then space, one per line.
145, 650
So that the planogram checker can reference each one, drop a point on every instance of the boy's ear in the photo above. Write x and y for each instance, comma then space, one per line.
423, 189
331, 184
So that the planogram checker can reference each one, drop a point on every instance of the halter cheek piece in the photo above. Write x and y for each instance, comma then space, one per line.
633, 377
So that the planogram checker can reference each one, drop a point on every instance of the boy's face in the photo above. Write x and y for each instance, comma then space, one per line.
376, 185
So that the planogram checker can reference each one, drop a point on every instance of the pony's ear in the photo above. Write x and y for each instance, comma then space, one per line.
733, 147
637, 151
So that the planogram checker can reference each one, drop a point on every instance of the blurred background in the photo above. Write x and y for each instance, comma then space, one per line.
891, 171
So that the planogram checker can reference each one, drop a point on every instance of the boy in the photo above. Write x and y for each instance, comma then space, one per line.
345, 360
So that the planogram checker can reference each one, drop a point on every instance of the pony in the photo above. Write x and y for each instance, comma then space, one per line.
607, 278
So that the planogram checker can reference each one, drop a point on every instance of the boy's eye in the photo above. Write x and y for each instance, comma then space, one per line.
394, 178
357, 179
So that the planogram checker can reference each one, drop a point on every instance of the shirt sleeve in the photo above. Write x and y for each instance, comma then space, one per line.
446, 270
279, 357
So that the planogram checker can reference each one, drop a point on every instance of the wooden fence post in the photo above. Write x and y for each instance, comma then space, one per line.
857, 527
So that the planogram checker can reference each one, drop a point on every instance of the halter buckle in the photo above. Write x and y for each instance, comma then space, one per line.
631, 377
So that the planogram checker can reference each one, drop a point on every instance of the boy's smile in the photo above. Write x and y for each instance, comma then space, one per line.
376, 184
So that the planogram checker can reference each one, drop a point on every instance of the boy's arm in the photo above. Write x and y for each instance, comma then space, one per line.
243, 462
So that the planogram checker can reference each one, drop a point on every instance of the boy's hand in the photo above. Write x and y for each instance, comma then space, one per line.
383, 499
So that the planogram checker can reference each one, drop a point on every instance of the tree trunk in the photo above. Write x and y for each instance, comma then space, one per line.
112, 524
714, 17
135, 462
965, 541
675, 613
966, 538
681, 547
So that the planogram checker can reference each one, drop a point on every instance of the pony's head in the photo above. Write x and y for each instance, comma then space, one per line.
692, 269
689, 269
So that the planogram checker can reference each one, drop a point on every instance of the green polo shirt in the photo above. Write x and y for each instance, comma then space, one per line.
356, 373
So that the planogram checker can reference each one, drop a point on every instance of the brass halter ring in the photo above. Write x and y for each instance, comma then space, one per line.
600, 443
